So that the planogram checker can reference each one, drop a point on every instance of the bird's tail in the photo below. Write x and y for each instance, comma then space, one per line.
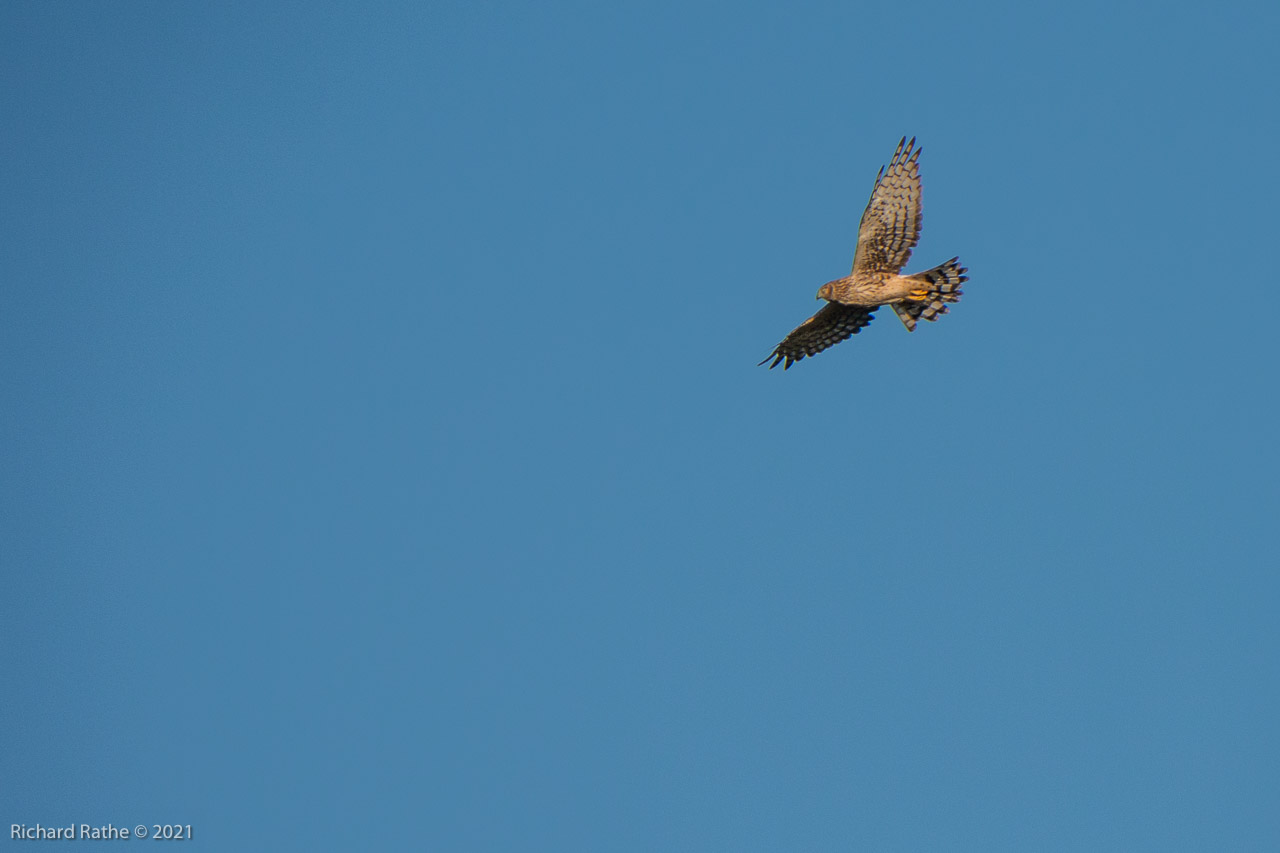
939, 286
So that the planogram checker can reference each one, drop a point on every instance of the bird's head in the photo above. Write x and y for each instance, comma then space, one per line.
827, 291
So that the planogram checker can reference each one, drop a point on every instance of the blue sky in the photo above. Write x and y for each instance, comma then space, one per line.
386, 462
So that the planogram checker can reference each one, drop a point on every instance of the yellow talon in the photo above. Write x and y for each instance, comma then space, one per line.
918, 295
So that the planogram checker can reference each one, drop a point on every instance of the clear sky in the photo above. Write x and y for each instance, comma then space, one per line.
386, 463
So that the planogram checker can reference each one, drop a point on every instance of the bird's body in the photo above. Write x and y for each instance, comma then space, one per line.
889, 230
869, 289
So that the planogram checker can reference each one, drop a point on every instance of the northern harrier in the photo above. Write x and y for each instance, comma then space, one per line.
889, 230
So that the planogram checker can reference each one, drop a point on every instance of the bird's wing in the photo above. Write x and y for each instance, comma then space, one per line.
890, 225
831, 325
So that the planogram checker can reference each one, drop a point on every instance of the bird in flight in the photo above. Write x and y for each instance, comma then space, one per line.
889, 230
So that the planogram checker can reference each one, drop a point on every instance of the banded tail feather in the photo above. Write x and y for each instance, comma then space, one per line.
943, 285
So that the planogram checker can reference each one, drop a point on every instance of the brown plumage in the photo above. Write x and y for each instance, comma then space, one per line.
889, 230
